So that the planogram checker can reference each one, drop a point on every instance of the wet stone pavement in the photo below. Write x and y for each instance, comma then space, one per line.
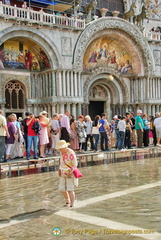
114, 201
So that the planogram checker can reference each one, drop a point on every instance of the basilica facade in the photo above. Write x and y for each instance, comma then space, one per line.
87, 64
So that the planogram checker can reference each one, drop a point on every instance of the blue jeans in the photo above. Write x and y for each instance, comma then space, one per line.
96, 138
121, 140
30, 140
117, 138
2, 148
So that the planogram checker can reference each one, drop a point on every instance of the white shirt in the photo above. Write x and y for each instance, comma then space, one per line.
157, 122
121, 125
2, 124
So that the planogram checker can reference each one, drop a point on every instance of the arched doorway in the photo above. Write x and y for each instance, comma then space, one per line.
105, 91
15, 98
99, 100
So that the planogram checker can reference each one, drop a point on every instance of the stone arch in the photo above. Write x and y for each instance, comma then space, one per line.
24, 81
114, 82
118, 27
17, 88
36, 36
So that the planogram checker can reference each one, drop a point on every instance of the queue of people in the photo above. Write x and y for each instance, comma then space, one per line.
38, 136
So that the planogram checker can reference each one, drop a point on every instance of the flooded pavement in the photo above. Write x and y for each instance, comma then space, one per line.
114, 201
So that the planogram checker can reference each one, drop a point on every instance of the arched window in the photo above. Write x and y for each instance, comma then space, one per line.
14, 94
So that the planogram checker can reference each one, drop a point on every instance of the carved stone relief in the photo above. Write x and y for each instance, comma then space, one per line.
66, 46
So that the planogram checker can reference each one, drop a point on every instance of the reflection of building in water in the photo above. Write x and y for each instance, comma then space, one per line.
60, 63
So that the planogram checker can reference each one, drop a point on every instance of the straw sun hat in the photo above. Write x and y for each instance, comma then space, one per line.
62, 144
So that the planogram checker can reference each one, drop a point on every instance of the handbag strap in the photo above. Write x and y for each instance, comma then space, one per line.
67, 164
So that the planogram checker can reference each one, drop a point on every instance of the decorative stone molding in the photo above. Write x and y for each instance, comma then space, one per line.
117, 76
116, 24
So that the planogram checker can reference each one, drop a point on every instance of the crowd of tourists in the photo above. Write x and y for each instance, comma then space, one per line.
38, 136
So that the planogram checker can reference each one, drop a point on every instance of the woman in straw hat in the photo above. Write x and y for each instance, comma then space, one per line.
68, 162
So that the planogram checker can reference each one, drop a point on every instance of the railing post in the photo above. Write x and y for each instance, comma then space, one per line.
41, 17
15, 10
53, 18
28, 13
75, 22
1, 8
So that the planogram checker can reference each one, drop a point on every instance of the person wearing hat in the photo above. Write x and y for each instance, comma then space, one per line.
139, 126
68, 162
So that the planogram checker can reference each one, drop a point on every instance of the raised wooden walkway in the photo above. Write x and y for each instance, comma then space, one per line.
22, 167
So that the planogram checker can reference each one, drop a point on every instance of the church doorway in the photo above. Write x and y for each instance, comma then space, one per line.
99, 100
96, 108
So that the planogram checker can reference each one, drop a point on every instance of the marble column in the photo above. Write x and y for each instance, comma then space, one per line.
144, 108
79, 109
49, 110
35, 110
74, 109
59, 83
147, 88
159, 89
53, 108
85, 109
157, 108
153, 110
79, 85
75, 85
68, 106
71, 84
61, 108
54, 88
154, 86
29, 107
68, 84
3, 107
64, 84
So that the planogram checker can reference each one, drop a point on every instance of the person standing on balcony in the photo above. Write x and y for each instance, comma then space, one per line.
24, 5
7, 2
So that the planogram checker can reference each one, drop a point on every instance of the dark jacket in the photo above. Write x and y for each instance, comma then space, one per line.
36, 127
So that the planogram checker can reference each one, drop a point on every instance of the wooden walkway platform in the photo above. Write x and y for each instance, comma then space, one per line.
22, 167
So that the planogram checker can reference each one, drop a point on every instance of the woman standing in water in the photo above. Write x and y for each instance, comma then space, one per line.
68, 162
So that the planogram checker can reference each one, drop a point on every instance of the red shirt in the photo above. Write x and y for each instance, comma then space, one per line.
31, 131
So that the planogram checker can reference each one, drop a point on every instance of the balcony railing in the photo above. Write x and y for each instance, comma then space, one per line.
41, 18
156, 36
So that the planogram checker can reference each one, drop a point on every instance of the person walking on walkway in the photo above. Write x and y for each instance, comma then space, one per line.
89, 124
95, 131
25, 128
32, 136
68, 162
103, 132
139, 126
65, 126
146, 131
122, 127
3, 133
157, 124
